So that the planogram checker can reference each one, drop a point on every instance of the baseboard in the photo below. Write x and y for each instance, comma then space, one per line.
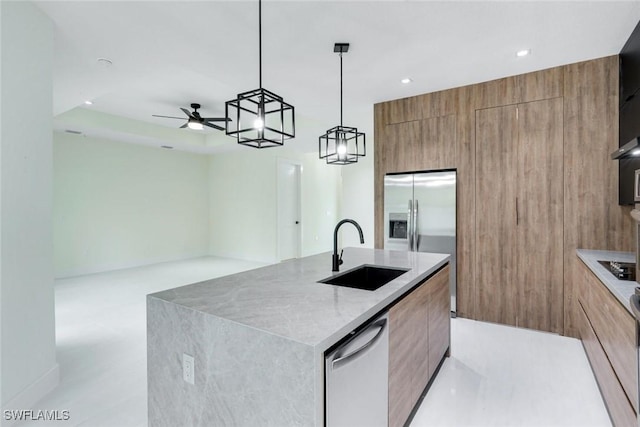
30, 396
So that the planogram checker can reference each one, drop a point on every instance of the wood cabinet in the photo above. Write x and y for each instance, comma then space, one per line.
419, 336
607, 331
519, 214
590, 216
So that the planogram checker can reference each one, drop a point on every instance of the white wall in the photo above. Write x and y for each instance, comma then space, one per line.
358, 198
243, 197
119, 205
29, 368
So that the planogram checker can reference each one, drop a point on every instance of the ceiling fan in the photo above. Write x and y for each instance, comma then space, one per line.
195, 121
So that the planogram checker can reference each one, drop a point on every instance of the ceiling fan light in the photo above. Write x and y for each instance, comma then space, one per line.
192, 124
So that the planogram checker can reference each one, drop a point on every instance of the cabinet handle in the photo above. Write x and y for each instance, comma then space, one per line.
517, 213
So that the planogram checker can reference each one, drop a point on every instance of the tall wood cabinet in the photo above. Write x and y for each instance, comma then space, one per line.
519, 214
490, 132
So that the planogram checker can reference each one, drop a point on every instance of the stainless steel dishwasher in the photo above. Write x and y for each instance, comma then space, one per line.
357, 375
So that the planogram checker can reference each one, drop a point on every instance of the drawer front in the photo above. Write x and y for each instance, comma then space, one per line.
621, 412
615, 328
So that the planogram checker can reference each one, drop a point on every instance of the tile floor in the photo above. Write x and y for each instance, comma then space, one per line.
497, 375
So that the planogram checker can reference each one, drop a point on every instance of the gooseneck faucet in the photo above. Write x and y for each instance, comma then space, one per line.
337, 260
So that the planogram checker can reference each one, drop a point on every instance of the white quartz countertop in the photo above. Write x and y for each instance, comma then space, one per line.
621, 289
285, 299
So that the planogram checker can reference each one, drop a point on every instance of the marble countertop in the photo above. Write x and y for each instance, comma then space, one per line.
621, 289
285, 299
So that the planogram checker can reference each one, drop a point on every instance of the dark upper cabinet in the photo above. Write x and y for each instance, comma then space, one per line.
630, 68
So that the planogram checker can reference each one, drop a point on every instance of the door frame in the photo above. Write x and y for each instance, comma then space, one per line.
298, 164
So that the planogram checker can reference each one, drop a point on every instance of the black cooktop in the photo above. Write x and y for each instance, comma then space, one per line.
621, 270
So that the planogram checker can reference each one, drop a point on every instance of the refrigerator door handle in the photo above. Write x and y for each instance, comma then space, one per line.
409, 228
416, 234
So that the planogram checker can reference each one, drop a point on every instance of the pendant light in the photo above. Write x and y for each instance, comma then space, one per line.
259, 118
341, 145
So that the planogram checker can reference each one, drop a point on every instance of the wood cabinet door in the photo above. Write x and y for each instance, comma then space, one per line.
402, 360
400, 144
439, 319
539, 206
495, 186
438, 143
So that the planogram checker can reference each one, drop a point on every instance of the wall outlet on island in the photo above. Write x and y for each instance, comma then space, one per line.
188, 368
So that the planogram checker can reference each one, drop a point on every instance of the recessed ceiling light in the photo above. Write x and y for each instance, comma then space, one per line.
87, 102
523, 52
406, 80
104, 62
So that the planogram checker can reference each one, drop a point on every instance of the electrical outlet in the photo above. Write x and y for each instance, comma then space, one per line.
188, 368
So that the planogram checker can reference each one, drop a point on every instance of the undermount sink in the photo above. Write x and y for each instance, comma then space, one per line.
366, 277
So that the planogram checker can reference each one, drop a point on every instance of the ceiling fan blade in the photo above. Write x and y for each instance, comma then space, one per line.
183, 126
216, 119
213, 126
168, 117
187, 112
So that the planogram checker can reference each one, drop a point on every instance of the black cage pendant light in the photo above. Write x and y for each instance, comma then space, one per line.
342, 145
259, 118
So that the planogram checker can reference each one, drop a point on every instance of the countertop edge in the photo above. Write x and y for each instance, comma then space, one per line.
621, 289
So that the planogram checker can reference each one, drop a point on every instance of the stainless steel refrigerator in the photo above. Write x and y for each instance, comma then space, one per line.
420, 215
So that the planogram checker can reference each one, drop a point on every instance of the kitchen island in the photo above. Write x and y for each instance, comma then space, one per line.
258, 338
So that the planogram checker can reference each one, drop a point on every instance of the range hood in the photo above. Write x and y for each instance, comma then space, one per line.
630, 150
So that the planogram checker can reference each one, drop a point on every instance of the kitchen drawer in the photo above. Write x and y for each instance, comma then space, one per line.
621, 412
615, 328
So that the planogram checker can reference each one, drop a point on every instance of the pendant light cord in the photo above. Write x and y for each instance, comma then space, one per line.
340, 89
260, 38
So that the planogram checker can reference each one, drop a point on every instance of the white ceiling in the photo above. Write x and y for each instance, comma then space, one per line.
168, 54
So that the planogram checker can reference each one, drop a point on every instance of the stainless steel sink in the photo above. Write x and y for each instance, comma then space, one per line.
367, 277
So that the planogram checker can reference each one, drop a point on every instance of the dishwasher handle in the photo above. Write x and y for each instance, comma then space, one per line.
362, 350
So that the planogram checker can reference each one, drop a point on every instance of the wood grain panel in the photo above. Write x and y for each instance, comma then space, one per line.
403, 110
496, 93
402, 143
421, 329
466, 229
438, 104
378, 173
496, 162
402, 361
539, 85
592, 217
621, 412
438, 143
439, 319
615, 328
539, 216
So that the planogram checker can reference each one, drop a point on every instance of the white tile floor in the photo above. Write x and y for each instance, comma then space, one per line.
497, 375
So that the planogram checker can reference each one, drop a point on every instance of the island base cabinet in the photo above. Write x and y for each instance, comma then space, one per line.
419, 337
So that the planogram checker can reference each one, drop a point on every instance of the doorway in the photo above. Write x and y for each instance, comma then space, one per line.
289, 211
